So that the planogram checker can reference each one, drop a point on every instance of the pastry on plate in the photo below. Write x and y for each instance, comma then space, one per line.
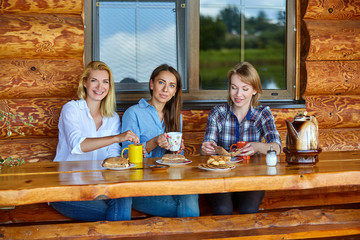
221, 151
218, 162
116, 162
173, 158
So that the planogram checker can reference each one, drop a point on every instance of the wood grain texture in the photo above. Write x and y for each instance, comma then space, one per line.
45, 111
333, 9
333, 78
292, 224
39, 78
41, 36
335, 111
343, 139
41, 6
29, 149
310, 197
333, 39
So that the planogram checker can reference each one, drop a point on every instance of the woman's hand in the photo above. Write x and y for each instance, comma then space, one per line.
162, 141
248, 149
182, 147
128, 136
208, 148
253, 147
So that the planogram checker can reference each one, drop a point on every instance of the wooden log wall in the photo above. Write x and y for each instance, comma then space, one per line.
41, 59
332, 64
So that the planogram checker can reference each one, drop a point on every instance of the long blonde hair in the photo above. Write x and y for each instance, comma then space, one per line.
250, 76
108, 104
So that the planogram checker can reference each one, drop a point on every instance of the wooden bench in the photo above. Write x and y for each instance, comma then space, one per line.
292, 224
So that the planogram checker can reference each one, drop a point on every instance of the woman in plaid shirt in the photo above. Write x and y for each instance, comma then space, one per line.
241, 119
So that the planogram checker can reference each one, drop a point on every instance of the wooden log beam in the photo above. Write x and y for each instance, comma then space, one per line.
311, 197
333, 40
323, 222
39, 78
333, 9
332, 78
341, 139
29, 149
40, 6
334, 111
41, 36
45, 110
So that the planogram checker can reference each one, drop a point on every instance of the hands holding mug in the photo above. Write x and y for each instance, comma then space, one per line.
171, 141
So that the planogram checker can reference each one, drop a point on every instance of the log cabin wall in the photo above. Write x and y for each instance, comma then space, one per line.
41, 59
331, 54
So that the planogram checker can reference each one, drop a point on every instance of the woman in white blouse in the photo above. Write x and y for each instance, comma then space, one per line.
89, 129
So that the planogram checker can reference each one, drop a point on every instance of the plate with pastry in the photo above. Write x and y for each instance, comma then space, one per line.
117, 163
173, 160
217, 163
236, 159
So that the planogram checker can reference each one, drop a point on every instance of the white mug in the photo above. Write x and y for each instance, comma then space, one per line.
174, 139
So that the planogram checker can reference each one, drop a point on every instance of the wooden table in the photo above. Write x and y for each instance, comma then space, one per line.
87, 180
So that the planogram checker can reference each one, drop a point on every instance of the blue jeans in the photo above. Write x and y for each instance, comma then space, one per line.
168, 206
97, 210
222, 203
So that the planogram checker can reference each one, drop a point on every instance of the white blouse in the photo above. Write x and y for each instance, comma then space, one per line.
75, 125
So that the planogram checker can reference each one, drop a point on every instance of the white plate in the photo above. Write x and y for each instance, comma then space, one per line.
131, 166
216, 169
236, 159
187, 161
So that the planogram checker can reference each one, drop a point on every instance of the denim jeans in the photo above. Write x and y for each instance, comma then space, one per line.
168, 206
97, 210
222, 203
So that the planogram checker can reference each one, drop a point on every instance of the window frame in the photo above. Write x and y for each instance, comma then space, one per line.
194, 97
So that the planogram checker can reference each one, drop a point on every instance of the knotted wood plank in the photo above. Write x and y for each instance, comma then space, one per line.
333, 78
40, 6
38, 78
41, 36
335, 111
45, 110
332, 9
342, 139
29, 149
333, 39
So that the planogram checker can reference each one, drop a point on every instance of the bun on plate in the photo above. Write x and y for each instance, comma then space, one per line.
116, 162
173, 158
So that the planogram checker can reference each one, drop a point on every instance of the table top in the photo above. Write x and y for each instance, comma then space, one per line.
87, 180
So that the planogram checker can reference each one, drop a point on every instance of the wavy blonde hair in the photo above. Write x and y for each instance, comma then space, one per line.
108, 104
250, 76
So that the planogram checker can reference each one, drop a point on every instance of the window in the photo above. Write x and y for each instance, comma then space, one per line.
203, 39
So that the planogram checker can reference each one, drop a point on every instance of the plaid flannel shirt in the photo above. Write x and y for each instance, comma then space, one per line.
224, 128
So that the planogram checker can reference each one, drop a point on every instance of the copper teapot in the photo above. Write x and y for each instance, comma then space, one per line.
302, 133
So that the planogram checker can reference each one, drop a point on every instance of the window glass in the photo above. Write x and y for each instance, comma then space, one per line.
134, 38
242, 30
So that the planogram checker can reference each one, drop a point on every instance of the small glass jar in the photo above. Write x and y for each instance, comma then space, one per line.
271, 157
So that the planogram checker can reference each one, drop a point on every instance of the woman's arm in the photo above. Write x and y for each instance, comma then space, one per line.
91, 144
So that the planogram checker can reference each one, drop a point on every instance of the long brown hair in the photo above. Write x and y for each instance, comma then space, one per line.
108, 104
250, 76
172, 109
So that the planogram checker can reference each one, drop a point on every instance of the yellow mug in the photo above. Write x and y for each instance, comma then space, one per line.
135, 153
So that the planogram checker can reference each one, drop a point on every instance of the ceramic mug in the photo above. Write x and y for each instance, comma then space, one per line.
135, 153
239, 145
174, 139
